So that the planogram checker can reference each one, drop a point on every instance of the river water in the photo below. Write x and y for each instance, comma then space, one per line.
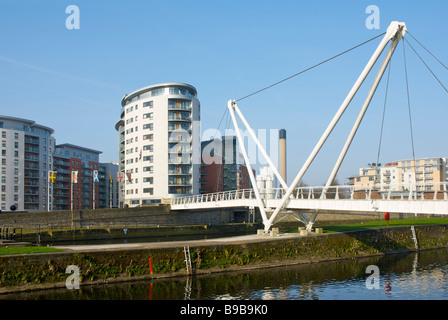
413, 276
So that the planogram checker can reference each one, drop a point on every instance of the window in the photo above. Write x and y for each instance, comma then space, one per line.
148, 158
179, 126
179, 104
148, 104
148, 190
149, 137
148, 116
148, 169
149, 147
157, 92
3, 152
149, 180
148, 126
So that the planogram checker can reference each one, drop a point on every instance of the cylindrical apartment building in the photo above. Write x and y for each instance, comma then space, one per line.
159, 143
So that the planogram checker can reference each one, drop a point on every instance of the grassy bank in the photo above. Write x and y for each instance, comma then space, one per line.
26, 250
383, 224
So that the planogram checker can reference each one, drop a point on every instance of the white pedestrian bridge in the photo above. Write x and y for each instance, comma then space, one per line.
411, 197
427, 198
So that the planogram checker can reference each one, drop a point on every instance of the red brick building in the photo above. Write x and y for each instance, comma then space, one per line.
221, 167
85, 193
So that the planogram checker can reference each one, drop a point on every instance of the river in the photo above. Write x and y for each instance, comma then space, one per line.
412, 276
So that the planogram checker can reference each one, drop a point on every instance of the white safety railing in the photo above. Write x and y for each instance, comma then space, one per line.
412, 191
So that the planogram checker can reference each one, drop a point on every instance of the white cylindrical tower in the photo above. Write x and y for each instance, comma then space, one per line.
159, 143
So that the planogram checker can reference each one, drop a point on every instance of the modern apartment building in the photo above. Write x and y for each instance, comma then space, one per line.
26, 158
159, 143
212, 166
222, 167
84, 193
36, 174
427, 174
108, 185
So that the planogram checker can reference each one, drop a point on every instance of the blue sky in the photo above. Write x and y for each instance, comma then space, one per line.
73, 80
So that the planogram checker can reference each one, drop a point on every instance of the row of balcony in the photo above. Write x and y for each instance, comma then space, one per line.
31, 140
31, 149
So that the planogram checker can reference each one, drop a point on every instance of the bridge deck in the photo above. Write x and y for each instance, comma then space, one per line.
338, 199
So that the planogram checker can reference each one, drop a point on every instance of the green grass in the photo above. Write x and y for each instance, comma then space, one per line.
26, 250
383, 224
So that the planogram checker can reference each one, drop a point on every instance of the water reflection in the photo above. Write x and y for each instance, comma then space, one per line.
407, 276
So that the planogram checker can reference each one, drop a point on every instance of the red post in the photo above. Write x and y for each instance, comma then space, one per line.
150, 267
387, 217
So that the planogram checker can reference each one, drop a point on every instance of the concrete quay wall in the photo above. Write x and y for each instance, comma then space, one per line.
118, 217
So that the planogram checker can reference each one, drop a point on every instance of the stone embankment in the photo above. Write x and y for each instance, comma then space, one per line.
102, 264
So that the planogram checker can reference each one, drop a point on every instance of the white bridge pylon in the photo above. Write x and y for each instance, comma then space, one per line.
395, 33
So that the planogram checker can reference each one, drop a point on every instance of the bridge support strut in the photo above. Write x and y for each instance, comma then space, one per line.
395, 32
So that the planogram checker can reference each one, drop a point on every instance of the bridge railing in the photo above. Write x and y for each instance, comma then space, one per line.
404, 191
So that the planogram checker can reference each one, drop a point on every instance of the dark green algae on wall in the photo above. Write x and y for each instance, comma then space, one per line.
38, 271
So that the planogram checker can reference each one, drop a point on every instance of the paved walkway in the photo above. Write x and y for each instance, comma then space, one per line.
177, 244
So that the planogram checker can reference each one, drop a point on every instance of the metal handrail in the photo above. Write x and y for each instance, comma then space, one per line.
404, 191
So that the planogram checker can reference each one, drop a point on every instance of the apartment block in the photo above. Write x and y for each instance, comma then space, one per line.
159, 143
108, 185
84, 193
36, 174
426, 174
26, 158
222, 167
